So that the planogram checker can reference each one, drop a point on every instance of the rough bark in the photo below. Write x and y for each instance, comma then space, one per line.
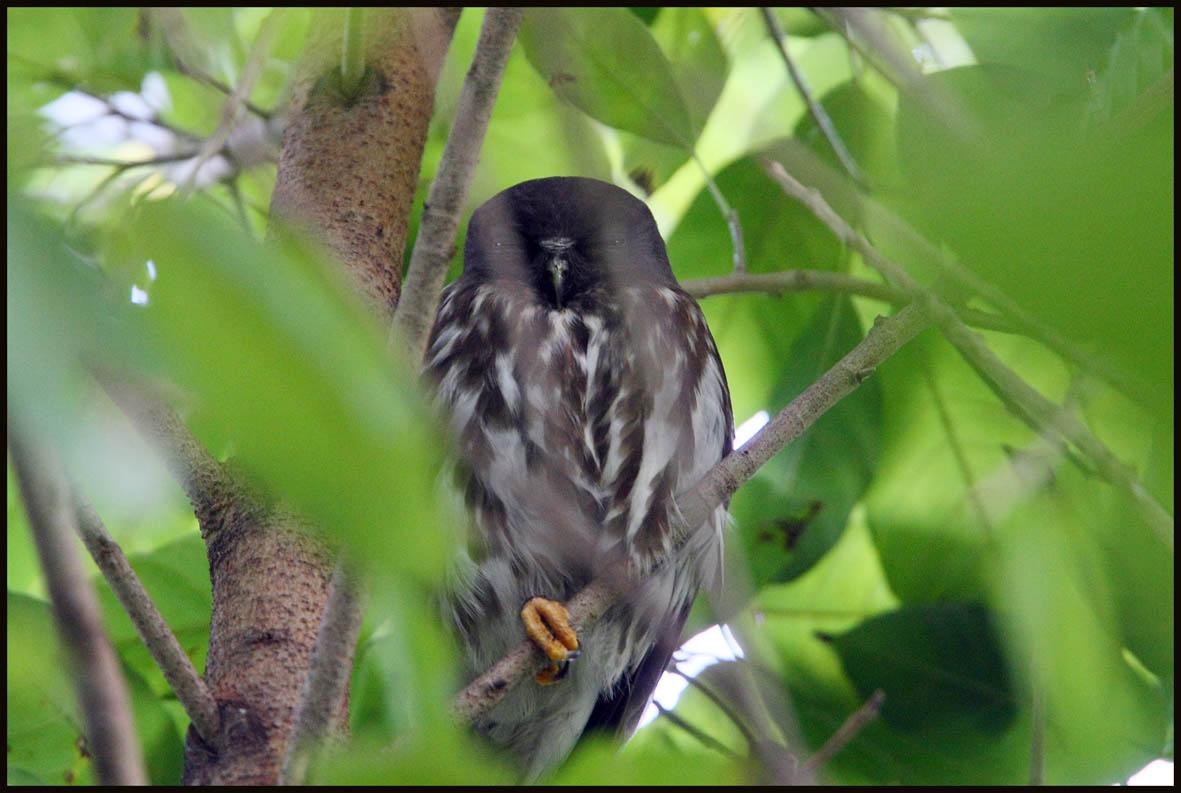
347, 173
349, 164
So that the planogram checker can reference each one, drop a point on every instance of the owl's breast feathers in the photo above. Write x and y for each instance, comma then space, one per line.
584, 423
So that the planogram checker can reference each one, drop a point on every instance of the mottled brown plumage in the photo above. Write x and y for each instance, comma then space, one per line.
585, 392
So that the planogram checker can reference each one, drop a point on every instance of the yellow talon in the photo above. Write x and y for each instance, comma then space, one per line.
547, 623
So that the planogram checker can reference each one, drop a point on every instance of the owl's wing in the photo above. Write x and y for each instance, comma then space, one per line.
620, 709
689, 427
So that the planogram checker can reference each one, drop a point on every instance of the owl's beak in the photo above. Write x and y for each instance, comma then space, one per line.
558, 264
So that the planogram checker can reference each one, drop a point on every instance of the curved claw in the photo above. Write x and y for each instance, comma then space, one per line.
547, 623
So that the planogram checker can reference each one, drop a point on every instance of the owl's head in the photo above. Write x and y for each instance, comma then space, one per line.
567, 238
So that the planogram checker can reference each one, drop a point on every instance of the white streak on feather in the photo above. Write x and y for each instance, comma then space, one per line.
507, 383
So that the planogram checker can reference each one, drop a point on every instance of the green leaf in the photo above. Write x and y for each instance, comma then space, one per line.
1142, 53
694, 56
699, 66
943, 431
44, 729
797, 505
939, 666
160, 738
591, 57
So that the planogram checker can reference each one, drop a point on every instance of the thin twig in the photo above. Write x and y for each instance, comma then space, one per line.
957, 449
794, 281
695, 505
828, 281
435, 244
704, 738
123, 165
178, 669
102, 695
203, 479
173, 23
737, 239
896, 65
846, 732
817, 110
751, 737
1040, 413
1037, 731
237, 98
328, 675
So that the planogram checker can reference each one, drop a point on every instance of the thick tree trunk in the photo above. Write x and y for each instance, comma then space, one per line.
347, 173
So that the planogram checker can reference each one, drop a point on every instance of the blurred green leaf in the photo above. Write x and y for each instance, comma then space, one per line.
1055, 590
1142, 53
96, 47
1061, 44
654, 761
943, 431
590, 57
60, 312
193, 106
281, 356
160, 739
801, 22
1077, 231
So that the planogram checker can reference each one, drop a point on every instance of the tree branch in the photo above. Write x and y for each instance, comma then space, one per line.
328, 678
827, 281
178, 669
794, 281
435, 244
694, 506
102, 695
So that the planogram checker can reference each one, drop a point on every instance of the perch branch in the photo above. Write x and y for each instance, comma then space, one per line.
885, 337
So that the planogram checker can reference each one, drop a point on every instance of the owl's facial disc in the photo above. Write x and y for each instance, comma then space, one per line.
558, 264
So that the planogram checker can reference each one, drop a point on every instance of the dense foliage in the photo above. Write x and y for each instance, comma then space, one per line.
926, 537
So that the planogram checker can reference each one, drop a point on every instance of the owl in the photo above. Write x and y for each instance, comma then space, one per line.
585, 392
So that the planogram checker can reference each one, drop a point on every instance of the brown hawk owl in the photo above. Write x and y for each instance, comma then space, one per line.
586, 392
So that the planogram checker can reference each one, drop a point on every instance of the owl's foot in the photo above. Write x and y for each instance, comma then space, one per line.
547, 623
